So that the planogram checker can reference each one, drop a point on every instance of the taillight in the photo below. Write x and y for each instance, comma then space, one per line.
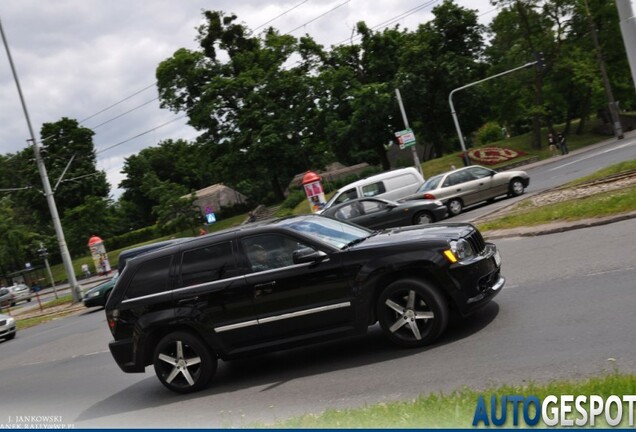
429, 196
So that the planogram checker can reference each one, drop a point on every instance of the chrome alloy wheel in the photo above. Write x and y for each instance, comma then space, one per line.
183, 362
408, 315
180, 364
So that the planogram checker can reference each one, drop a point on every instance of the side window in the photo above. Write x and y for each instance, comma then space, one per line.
346, 196
345, 212
373, 206
373, 189
206, 264
479, 172
452, 180
151, 277
270, 251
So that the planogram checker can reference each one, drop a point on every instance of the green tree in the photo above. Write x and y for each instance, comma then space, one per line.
238, 90
92, 217
175, 210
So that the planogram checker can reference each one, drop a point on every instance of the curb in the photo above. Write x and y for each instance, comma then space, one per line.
557, 227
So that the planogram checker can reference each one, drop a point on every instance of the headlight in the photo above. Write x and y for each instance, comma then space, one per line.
460, 250
10, 321
438, 202
93, 294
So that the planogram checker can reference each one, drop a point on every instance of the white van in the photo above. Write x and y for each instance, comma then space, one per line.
390, 185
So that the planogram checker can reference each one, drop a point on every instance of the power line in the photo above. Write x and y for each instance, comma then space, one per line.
124, 113
394, 19
119, 102
141, 134
278, 16
319, 16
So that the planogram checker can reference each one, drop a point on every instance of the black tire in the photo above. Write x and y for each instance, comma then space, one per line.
171, 363
423, 218
516, 187
11, 336
412, 313
455, 206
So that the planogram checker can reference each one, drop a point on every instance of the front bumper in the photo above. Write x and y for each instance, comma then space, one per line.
7, 331
478, 281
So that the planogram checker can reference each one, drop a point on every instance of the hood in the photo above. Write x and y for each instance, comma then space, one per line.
409, 234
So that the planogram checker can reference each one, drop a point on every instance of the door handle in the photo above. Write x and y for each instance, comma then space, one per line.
189, 300
266, 284
459, 190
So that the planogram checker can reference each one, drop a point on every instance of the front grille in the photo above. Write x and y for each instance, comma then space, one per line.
3, 322
476, 242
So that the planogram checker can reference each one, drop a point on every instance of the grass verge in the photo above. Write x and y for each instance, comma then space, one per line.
458, 408
605, 204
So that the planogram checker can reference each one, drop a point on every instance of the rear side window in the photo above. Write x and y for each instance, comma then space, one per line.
373, 189
346, 196
207, 264
152, 277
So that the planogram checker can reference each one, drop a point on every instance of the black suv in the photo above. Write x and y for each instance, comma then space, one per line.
288, 282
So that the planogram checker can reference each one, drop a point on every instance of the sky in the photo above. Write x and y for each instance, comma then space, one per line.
95, 60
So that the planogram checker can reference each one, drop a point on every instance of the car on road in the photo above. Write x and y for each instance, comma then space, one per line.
392, 185
377, 213
20, 292
98, 295
470, 185
7, 327
292, 281
6, 297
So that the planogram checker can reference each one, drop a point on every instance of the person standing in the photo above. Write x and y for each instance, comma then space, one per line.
562, 144
552, 144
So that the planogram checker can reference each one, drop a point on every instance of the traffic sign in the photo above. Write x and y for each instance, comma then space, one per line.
406, 138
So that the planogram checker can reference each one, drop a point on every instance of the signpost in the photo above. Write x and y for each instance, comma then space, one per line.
406, 138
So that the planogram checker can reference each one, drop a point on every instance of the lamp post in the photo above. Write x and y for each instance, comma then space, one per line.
454, 113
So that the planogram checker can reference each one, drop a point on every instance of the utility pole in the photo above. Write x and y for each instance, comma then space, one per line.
613, 110
416, 159
66, 257
628, 30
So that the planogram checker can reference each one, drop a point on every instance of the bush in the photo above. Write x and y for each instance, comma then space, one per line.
294, 198
488, 133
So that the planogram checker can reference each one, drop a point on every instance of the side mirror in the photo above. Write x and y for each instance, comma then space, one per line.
306, 255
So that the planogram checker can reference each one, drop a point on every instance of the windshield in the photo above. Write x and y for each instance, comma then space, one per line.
430, 184
336, 233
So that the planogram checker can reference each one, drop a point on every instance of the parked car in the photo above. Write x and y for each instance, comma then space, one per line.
471, 185
20, 292
98, 295
377, 213
6, 297
7, 327
388, 185
291, 281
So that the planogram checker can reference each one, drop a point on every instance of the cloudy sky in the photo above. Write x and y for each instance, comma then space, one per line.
77, 58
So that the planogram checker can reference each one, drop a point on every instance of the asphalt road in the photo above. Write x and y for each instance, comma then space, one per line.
559, 170
567, 309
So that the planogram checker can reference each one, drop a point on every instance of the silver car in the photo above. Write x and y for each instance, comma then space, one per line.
20, 292
7, 327
471, 185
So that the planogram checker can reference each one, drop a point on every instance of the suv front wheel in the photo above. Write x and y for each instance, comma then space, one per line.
412, 313
183, 363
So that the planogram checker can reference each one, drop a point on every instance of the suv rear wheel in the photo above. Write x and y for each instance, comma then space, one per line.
183, 363
412, 313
